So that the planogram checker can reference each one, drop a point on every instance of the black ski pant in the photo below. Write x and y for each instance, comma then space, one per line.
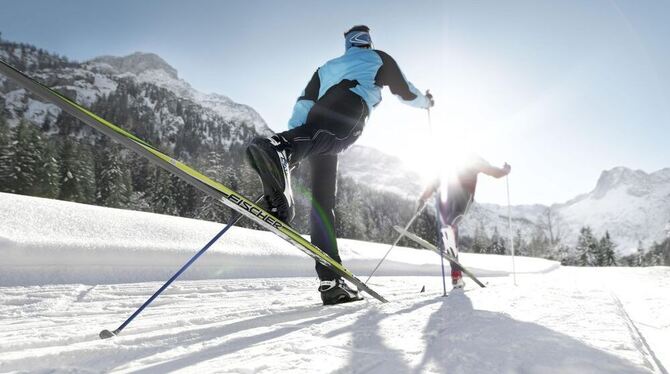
334, 123
322, 219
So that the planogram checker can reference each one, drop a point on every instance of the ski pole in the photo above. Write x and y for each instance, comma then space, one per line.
418, 212
104, 334
441, 243
509, 223
444, 282
437, 203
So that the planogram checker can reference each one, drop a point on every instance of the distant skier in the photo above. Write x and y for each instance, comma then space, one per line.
328, 118
455, 193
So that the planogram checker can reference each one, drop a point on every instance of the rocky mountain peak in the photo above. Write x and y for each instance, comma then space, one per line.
137, 63
662, 176
613, 178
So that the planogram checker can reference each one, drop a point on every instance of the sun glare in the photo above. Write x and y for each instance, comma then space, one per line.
448, 146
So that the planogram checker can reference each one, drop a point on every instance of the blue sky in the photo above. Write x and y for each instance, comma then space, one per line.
559, 89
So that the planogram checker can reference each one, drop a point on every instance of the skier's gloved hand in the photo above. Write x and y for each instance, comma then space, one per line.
431, 101
506, 168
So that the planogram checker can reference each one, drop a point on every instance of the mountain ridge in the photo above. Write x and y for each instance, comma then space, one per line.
136, 63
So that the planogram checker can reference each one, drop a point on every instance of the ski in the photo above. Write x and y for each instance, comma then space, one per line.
420, 241
216, 190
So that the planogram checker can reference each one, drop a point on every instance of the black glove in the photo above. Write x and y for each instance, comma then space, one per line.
431, 101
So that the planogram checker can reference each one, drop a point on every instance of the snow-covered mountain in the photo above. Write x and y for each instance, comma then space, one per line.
379, 171
525, 218
631, 204
150, 68
141, 86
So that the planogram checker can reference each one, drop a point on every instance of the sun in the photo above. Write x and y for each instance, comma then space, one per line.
446, 146
431, 146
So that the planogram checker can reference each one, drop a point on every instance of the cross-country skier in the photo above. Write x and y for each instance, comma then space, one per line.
455, 193
328, 118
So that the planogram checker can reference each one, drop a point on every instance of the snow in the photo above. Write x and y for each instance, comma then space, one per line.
51, 241
151, 68
14, 100
555, 320
220, 104
104, 84
277, 325
38, 112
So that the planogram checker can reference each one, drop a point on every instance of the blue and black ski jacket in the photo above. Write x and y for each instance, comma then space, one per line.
370, 69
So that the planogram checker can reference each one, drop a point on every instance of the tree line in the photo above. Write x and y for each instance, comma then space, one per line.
589, 250
103, 173
95, 170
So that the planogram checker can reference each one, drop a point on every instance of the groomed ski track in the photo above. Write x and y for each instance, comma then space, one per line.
277, 325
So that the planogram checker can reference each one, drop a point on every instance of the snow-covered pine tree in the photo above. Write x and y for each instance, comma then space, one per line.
586, 246
539, 243
480, 242
565, 255
657, 255
426, 227
6, 156
48, 175
520, 245
606, 250
640, 252
113, 187
664, 250
497, 245
35, 170
77, 172
161, 193
25, 161
186, 197
348, 210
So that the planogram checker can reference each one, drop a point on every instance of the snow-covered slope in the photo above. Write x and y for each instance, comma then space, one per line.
50, 241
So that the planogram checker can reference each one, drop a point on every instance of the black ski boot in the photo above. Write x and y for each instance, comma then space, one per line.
270, 158
337, 292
